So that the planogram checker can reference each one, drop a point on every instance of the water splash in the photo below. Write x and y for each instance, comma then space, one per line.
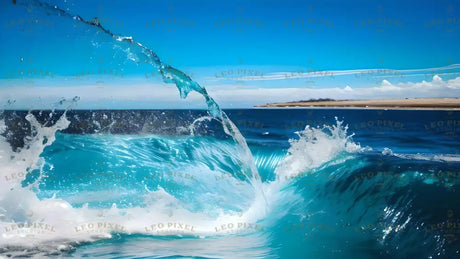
185, 85
316, 146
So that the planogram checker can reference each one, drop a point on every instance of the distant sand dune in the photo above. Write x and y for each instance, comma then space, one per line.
433, 103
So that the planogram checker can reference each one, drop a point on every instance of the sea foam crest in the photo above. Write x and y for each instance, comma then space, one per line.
316, 146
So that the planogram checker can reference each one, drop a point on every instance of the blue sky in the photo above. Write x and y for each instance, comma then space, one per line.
243, 52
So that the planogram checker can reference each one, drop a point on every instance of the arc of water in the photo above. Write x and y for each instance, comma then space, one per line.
169, 75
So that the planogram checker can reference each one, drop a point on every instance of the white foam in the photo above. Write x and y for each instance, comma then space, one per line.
314, 147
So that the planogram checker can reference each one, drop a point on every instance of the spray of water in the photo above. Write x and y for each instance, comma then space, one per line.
141, 54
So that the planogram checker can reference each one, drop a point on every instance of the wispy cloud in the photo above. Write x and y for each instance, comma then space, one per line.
311, 73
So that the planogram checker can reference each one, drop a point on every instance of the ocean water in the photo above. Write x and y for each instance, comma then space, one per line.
330, 183
213, 183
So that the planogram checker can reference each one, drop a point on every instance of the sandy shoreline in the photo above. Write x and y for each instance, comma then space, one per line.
431, 103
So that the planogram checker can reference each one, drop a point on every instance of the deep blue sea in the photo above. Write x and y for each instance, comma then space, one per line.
327, 183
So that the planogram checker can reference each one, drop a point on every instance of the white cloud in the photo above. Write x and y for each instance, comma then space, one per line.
348, 88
